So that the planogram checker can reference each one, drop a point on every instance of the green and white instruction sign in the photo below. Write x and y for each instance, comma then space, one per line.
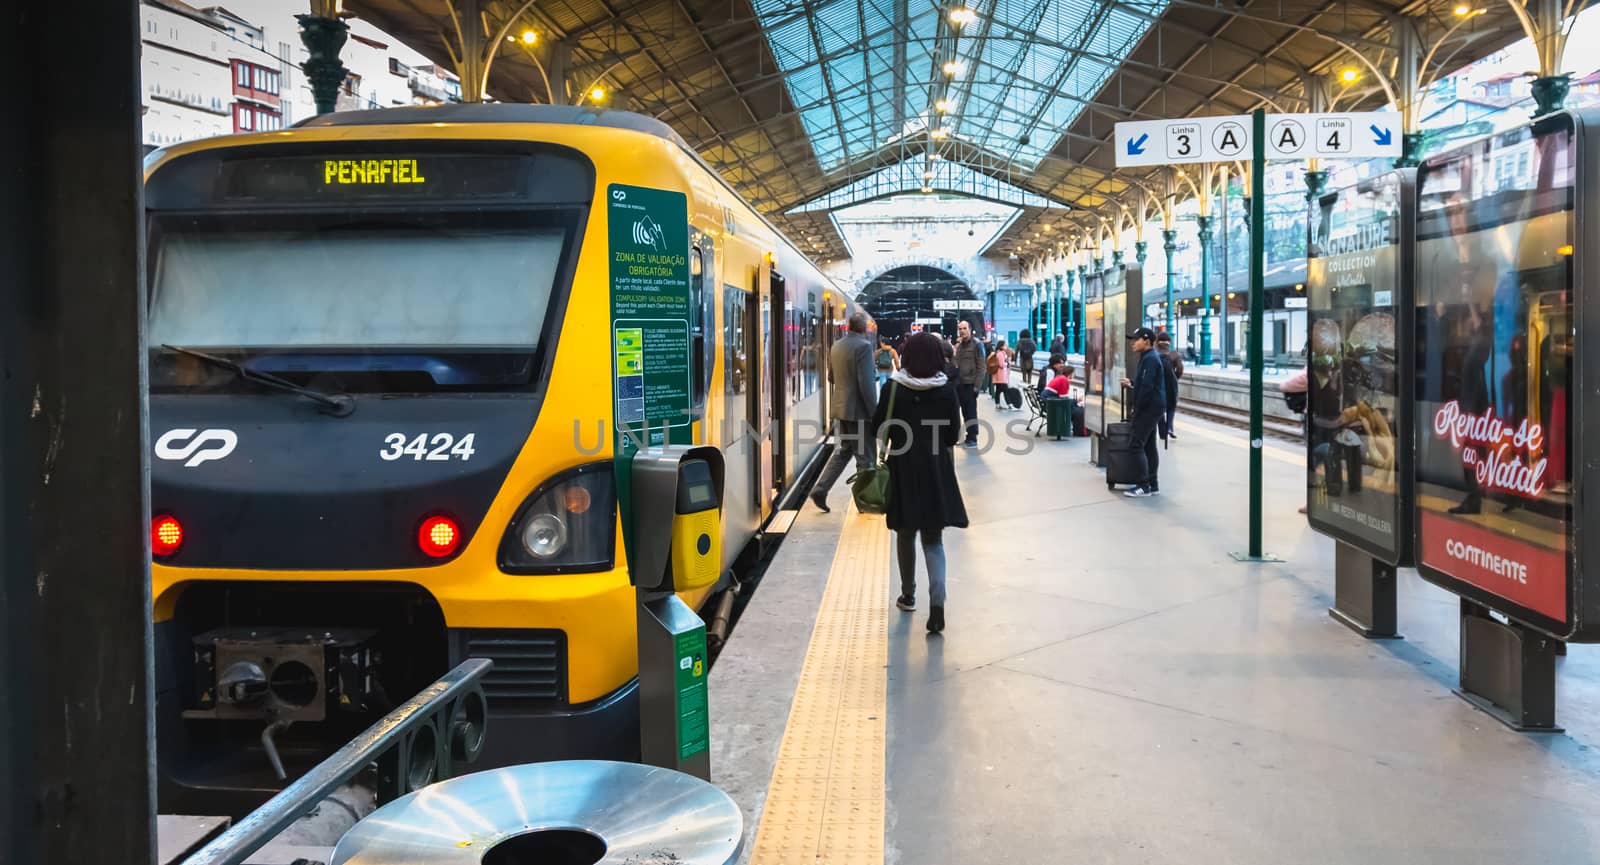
651, 347
694, 732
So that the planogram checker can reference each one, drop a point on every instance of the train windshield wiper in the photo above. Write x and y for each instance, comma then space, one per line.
337, 405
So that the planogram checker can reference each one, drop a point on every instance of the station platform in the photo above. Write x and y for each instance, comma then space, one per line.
1113, 687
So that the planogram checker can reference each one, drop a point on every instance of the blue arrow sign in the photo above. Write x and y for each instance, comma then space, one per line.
1136, 145
1382, 137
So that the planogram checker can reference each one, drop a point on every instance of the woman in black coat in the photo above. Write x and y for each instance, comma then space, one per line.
924, 497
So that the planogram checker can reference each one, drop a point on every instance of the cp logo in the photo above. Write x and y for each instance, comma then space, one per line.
186, 444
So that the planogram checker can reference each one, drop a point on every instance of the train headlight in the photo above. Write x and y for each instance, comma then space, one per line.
567, 526
544, 536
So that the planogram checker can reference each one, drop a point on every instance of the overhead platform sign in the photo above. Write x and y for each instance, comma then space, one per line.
1348, 135
957, 304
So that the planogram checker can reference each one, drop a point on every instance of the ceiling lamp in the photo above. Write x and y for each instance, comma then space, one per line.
953, 68
598, 94
1349, 75
927, 175
529, 37
940, 133
943, 106
961, 16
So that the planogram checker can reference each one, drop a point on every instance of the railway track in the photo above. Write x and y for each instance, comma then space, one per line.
1275, 427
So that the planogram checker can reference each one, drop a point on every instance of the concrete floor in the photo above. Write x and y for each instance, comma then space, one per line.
1112, 687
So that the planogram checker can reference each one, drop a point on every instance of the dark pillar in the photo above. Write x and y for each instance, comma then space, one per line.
323, 38
76, 753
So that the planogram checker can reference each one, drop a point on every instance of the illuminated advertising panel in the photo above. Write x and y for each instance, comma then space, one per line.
1359, 303
1116, 342
1094, 355
1497, 396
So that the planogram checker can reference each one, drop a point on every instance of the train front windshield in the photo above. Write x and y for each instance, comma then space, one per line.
398, 302
379, 267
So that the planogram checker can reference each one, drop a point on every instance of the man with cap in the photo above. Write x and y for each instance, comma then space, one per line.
1148, 405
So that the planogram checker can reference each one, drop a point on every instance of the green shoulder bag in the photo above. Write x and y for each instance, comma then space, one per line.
870, 486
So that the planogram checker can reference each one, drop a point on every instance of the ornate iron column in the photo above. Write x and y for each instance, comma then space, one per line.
1203, 223
1169, 242
324, 36
1073, 324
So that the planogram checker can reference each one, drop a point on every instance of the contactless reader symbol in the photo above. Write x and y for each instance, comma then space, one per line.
647, 233
618, 195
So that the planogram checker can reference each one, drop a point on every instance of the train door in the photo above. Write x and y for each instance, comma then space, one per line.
758, 348
741, 507
778, 373
702, 328
825, 340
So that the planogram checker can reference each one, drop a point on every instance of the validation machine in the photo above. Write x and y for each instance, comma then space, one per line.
1504, 304
675, 513
1359, 286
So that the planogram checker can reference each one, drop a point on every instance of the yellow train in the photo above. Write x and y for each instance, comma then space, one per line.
381, 379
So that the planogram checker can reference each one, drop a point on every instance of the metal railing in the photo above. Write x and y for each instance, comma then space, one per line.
448, 716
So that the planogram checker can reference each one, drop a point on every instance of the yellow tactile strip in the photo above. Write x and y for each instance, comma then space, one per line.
825, 802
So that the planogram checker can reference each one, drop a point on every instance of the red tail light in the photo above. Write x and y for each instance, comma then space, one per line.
166, 535
439, 536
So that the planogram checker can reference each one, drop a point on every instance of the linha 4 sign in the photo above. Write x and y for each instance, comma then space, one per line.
1349, 135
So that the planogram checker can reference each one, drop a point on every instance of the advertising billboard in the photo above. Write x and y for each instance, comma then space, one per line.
1360, 311
1094, 355
1497, 394
1115, 285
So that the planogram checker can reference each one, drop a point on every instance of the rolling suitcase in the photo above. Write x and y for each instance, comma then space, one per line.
1013, 397
1125, 462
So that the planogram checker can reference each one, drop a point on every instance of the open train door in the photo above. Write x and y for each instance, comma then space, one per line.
758, 348
778, 374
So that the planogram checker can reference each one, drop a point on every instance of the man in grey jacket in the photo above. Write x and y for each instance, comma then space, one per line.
971, 373
854, 399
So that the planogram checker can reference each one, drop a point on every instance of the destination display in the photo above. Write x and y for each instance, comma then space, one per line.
1358, 393
377, 176
1497, 394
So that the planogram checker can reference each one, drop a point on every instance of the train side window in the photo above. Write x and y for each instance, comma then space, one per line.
733, 359
697, 326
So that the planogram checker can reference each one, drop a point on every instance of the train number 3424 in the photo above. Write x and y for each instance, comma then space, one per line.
434, 447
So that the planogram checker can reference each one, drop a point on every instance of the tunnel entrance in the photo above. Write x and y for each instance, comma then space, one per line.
899, 298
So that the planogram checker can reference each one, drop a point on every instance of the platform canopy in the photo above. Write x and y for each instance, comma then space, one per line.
802, 103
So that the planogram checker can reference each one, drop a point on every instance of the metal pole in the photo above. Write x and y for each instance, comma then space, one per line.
1258, 218
1169, 242
1226, 266
1204, 224
77, 752
1071, 332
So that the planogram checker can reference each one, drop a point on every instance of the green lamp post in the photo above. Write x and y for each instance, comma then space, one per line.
1204, 225
1169, 243
324, 36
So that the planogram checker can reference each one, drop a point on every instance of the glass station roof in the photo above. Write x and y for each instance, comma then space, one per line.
865, 74
943, 176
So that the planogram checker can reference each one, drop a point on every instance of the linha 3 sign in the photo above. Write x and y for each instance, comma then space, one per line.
1349, 135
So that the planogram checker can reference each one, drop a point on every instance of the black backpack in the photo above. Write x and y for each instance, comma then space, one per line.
1296, 401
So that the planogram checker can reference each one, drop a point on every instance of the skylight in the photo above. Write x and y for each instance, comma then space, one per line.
861, 79
913, 176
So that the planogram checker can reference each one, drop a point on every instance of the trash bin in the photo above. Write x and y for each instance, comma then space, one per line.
574, 812
1058, 417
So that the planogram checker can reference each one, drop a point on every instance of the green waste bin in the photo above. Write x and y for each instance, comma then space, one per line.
1058, 417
